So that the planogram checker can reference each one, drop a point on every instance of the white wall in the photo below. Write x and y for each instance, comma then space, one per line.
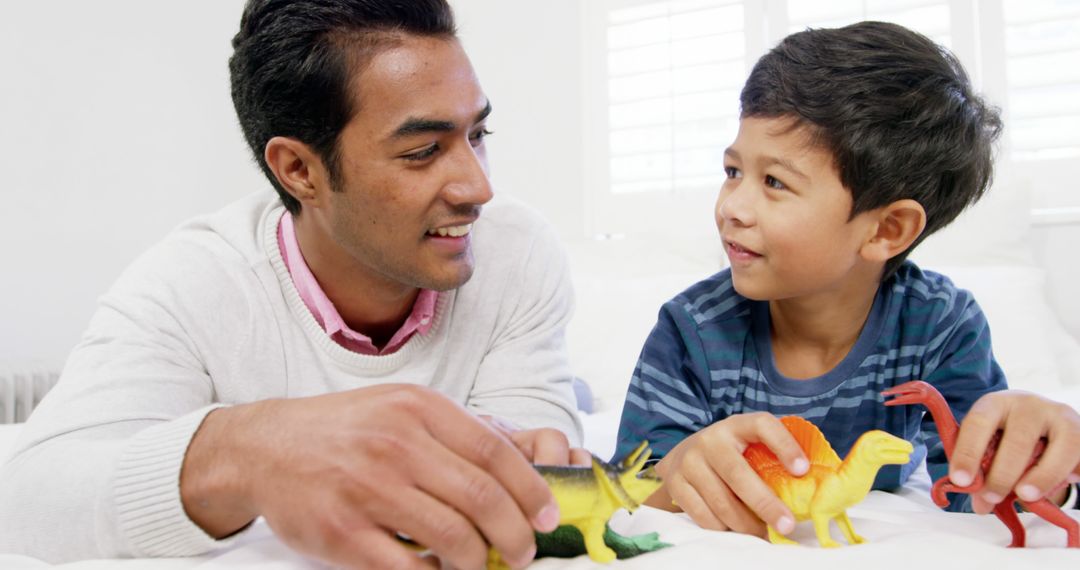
117, 125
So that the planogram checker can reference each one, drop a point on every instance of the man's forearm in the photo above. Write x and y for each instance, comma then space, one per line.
213, 485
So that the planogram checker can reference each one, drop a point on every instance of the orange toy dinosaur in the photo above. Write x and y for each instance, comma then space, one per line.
919, 392
830, 486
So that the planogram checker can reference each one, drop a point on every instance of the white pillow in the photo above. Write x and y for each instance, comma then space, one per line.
1029, 343
620, 286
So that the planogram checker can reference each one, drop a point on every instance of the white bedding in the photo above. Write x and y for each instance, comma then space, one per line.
904, 530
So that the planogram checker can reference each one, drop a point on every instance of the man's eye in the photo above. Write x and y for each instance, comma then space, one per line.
732, 172
774, 183
479, 136
425, 154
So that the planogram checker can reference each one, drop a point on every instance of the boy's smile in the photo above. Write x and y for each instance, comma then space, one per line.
784, 215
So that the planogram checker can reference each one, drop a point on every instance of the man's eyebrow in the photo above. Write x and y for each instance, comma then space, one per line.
418, 126
771, 160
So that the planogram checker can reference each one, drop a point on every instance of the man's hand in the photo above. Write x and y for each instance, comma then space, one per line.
544, 446
1023, 418
338, 476
707, 477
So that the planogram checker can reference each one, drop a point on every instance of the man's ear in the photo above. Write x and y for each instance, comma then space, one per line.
897, 226
298, 169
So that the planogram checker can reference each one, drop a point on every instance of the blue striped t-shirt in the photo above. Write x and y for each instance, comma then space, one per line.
709, 357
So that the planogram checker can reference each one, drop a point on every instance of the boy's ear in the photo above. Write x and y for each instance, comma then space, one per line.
298, 169
897, 226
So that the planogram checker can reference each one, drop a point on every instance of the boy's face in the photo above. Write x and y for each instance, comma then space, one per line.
783, 214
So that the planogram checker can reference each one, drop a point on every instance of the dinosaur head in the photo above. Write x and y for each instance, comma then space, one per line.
881, 448
914, 392
638, 483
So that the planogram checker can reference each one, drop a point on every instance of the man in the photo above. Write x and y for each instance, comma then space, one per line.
331, 359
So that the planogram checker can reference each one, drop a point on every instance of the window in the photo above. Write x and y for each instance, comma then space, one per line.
1042, 48
662, 81
674, 70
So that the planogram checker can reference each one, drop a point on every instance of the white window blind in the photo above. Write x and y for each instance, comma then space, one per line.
928, 17
674, 71
1042, 46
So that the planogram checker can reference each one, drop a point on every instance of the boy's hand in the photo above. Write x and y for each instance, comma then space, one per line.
707, 477
1023, 418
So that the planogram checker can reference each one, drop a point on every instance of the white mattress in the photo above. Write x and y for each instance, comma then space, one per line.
904, 531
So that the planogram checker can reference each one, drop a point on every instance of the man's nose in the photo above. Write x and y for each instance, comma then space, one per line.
470, 184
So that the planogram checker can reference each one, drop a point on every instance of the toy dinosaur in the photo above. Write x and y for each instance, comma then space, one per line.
830, 486
587, 497
919, 392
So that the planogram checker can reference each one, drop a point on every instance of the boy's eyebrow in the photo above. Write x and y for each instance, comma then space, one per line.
417, 126
771, 160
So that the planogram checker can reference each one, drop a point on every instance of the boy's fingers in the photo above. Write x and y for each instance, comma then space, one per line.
756, 495
724, 504
978, 427
1057, 464
1013, 455
769, 430
689, 500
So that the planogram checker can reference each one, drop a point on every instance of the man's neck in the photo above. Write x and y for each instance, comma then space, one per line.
369, 303
812, 334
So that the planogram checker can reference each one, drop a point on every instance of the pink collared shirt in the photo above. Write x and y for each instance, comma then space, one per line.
419, 321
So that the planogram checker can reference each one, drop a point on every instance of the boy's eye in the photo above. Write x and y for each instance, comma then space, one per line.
424, 154
479, 136
732, 172
774, 183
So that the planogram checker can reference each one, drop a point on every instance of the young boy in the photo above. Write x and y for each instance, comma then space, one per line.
854, 145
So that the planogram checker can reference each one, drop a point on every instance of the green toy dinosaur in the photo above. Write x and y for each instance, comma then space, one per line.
587, 497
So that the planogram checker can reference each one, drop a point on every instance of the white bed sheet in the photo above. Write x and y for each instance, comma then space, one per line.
904, 530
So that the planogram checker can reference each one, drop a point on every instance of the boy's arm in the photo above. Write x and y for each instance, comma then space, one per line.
667, 400
959, 362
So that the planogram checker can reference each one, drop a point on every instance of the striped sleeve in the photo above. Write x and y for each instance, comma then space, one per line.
667, 398
960, 363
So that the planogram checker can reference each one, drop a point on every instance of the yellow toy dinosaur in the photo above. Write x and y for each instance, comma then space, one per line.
587, 497
830, 486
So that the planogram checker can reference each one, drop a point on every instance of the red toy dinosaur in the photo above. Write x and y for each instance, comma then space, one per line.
919, 392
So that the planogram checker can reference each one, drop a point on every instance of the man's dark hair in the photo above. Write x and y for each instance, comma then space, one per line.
896, 111
293, 62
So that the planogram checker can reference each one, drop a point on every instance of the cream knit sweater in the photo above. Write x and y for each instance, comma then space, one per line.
210, 317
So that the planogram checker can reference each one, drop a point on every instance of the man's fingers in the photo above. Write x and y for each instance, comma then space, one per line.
549, 446
580, 457
979, 426
483, 499
491, 452
364, 548
442, 529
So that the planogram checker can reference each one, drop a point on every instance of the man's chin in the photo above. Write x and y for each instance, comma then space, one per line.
449, 280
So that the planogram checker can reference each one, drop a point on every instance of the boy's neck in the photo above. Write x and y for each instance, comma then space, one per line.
812, 334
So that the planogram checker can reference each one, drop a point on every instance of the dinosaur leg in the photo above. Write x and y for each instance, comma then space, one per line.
821, 529
593, 531
1006, 513
1053, 514
849, 531
777, 538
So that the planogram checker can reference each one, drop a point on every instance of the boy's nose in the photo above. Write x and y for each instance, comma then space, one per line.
733, 208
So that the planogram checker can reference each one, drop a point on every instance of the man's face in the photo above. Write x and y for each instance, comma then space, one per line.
783, 214
413, 168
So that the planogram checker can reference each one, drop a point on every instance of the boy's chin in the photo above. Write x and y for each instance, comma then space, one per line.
749, 289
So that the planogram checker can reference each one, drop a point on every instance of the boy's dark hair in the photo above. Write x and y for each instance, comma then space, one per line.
896, 111
293, 62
